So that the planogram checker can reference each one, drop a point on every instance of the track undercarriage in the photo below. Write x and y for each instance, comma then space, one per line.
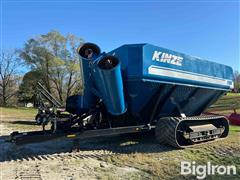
188, 131
178, 132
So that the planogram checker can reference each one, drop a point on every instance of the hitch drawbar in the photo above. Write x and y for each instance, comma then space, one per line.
40, 136
188, 131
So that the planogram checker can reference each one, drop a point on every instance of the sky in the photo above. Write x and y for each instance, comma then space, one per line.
207, 29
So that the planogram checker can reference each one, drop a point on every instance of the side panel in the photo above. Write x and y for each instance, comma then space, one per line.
173, 67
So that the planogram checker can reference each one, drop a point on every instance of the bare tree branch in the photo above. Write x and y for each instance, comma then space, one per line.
9, 67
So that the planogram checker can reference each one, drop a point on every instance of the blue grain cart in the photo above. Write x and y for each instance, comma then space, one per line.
142, 87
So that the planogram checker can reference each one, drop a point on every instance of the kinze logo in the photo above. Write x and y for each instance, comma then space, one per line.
167, 58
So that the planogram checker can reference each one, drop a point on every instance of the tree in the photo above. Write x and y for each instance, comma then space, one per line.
9, 76
237, 81
55, 56
28, 86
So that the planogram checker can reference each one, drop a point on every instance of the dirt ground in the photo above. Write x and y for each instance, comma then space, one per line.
118, 157
55, 160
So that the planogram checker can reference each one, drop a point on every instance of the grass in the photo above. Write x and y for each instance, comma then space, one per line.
19, 119
226, 104
18, 113
233, 94
234, 128
166, 164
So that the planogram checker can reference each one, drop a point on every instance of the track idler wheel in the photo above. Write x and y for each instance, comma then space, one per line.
188, 131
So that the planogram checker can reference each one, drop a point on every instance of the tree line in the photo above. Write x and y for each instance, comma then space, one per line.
52, 59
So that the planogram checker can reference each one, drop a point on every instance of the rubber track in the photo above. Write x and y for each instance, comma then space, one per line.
165, 130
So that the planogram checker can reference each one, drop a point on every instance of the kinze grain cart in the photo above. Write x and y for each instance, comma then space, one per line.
141, 87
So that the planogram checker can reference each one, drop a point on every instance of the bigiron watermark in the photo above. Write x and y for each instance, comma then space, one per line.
201, 171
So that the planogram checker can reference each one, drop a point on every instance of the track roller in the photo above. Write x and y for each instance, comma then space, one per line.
183, 132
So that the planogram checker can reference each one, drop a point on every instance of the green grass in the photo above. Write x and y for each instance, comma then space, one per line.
234, 128
233, 94
226, 104
230, 98
19, 119
18, 113
166, 164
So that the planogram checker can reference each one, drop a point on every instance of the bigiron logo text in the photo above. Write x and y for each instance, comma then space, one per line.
167, 58
201, 171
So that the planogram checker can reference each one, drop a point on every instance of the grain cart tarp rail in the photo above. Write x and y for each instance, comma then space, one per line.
142, 85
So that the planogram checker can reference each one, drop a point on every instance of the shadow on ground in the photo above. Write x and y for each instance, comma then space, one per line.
123, 144
22, 122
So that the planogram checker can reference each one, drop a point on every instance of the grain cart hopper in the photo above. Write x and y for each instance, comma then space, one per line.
139, 87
